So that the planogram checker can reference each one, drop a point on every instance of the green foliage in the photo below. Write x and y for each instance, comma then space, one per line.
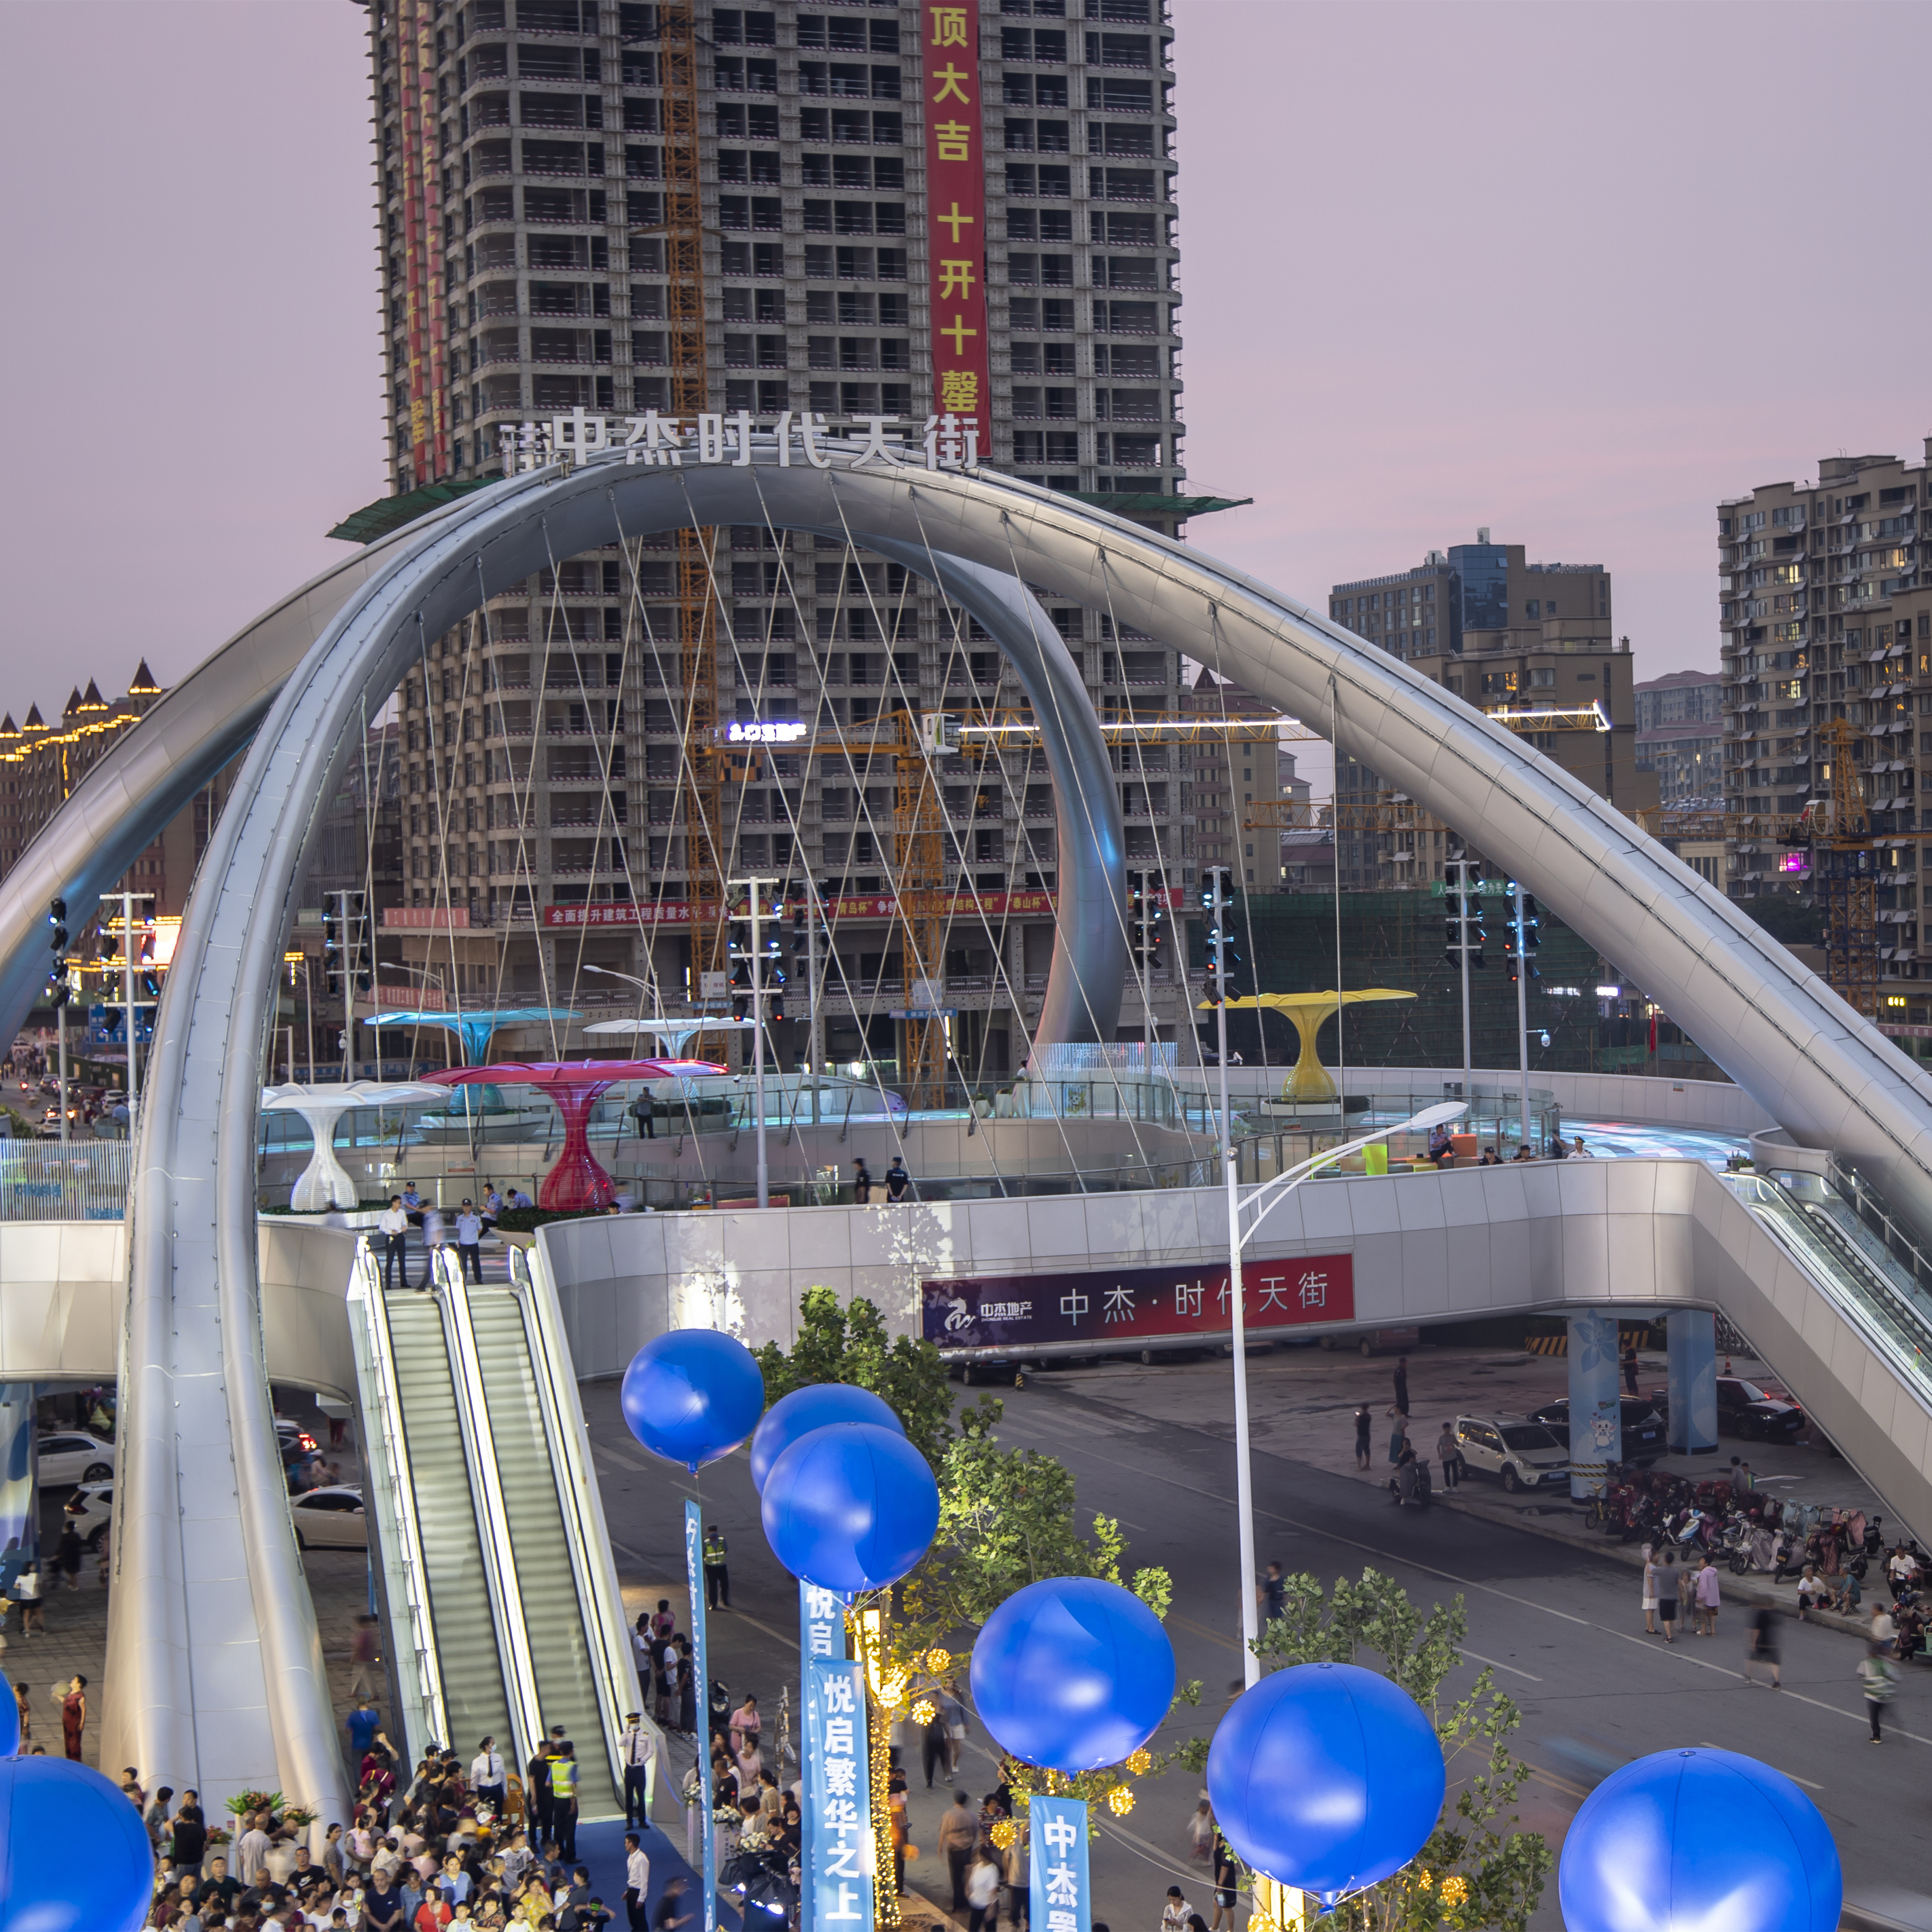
1789, 920
1474, 1872
840, 1344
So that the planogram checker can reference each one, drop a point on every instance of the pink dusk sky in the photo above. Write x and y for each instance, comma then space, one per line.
1572, 271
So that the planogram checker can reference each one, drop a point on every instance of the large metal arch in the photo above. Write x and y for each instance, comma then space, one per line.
209, 1620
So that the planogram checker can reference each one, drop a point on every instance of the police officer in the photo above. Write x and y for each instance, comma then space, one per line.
717, 1578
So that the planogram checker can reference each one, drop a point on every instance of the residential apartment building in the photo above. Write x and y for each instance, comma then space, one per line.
530, 154
1680, 736
1825, 610
1531, 644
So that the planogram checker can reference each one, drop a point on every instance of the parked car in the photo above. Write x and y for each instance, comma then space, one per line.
1646, 1438
73, 1456
1756, 1414
1523, 1454
330, 1519
90, 1509
1377, 1341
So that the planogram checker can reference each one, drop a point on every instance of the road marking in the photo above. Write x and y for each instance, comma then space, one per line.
1488, 1589
618, 1457
1201, 1630
1496, 1664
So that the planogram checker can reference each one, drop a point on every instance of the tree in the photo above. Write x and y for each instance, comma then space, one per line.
1473, 1873
840, 1344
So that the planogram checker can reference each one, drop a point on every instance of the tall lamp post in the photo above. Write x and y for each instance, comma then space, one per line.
1263, 1202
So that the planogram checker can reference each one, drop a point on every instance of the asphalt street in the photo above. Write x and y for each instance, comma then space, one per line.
1560, 1627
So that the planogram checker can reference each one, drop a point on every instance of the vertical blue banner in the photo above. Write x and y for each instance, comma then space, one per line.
1059, 1898
837, 1795
821, 1633
694, 1571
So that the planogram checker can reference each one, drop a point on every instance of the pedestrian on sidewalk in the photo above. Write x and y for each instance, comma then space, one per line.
862, 1184
1707, 1598
932, 1741
1273, 1594
959, 1833
433, 1237
1401, 1383
1398, 1432
1761, 1644
637, 1884
1175, 1914
1652, 1577
1630, 1341
1880, 1677
1450, 1454
1667, 1596
897, 1182
74, 1714
68, 1555
1227, 1885
982, 1892
1883, 1630
1364, 1424
1201, 1831
717, 1575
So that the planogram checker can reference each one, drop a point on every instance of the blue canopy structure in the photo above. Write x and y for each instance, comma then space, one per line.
475, 1028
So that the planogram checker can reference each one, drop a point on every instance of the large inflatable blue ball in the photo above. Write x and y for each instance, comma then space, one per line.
74, 1855
10, 1719
806, 1409
1326, 1777
1688, 1839
1072, 1673
692, 1395
850, 1507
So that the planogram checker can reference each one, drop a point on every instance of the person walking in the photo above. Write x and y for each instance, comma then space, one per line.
1402, 1384
67, 1554
959, 1833
1227, 1884
1761, 1644
1449, 1453
1667, 1596
898, 1182
637, 1753
470, 1241
1707, 1598
393, 1225
637, 1884
717, 1577
932, 1740
1364, 1424
365, 1649
862, 1184
1652, 1576
73, 1714
1273, 1594
982, 1891
1880, 1677
434, 1237
954, 1712
1630, 1342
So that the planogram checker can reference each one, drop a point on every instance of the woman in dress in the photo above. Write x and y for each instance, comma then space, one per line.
74, 1716
1650, 1576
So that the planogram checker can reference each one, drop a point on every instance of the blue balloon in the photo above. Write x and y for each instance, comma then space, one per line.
1072, 1673
10, 1718
692, 1395
74, 1856
1326, 1777
1696, 1838
850, 1507
806, 1409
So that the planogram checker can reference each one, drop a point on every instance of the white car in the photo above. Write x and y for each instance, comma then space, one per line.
90, 1509
1523, 1453
330, 1519
72, 1455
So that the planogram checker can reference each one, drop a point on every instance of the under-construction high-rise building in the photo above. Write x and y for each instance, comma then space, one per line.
851, 210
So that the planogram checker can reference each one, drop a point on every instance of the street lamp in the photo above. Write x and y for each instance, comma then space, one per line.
1285, 1183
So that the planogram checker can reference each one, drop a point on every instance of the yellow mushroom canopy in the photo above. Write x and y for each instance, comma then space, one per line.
1309, 1080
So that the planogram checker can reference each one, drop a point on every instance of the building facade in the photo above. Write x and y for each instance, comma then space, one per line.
1824, 611
630, 208
1530, 644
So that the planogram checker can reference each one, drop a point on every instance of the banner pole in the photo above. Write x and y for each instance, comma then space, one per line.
693, 1569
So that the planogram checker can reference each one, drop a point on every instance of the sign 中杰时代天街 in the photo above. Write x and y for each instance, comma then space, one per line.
1000, 1311
1057, 1893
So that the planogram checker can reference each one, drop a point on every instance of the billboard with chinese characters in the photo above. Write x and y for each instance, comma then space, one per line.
1133, 1305
956, 237
871, 905
1058, 1896
837, 1792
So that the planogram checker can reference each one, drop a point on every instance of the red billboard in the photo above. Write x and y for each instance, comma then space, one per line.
956, 236
1123, 1306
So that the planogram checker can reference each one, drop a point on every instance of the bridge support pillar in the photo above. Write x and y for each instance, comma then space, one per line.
1596, 1412
1693, 1381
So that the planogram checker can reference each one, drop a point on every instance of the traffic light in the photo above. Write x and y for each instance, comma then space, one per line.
1462, 904
1223, 954
331, 948
1524, 919
57, 932
1145, 911
57, 941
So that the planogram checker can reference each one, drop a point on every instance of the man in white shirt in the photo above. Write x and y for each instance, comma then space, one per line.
638, 1751
392, 1224
636, 1883
469, 1239
486, 1773
251, 1855
517, 1860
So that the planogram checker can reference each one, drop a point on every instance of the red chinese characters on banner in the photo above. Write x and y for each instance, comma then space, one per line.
955, 201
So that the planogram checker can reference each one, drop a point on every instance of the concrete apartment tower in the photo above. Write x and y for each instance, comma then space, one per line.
866, 176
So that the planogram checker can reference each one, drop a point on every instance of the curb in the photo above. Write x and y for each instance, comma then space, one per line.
1567, 1529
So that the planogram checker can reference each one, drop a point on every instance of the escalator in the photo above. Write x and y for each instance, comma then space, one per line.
490, 1552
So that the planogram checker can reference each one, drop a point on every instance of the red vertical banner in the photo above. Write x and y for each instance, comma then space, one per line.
955, 230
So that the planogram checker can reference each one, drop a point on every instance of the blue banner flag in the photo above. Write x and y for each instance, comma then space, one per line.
1059, 1898
694, 1572
821, 1633
837, 1795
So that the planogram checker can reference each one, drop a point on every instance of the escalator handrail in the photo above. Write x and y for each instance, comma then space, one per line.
493, 1523
392, 1502
593, 1568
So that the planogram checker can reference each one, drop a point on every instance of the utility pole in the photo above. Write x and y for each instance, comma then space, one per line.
1523, 945
1214, 896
